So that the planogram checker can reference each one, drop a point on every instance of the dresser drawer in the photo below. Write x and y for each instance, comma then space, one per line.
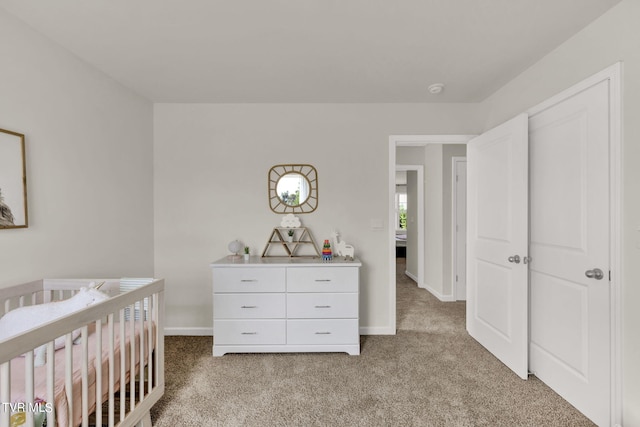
227, 332
323, 305
322, 279
249, 280
249, 306
327, 331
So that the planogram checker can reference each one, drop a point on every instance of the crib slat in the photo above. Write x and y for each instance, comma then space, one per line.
132, 353
156, 315
28, 384
85, 375
123, 384
160, 338
98, 368
112, 368
150, 344
5, 393
68, 371
51, 380
141, 366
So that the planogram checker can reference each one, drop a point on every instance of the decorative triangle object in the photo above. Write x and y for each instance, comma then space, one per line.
295, 246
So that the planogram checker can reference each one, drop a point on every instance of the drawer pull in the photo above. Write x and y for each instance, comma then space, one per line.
248, 280
323, 280
248, 333
249, 306
323, 306
323, 333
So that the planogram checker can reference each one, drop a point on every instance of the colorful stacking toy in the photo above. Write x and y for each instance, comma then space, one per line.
326, 251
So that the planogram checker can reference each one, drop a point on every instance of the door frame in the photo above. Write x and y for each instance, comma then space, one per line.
612, 74
404, 141
419, 169
455, 268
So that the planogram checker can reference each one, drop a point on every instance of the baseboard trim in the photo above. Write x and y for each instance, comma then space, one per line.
435, 293
199, 332
377, 330
411, 276
208, 332
204, 332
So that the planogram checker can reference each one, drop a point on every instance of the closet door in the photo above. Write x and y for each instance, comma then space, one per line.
570, 289
497, 242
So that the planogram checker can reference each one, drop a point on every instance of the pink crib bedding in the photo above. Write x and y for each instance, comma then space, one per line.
61, 404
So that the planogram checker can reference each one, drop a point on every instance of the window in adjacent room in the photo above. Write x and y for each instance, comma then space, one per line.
401, 211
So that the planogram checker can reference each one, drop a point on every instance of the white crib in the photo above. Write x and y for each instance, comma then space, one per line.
114, 375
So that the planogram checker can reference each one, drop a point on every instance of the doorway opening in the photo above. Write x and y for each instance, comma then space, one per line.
437, 280
409, 220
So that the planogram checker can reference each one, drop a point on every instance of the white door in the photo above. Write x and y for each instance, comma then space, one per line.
497, 239
460, 228
569, 197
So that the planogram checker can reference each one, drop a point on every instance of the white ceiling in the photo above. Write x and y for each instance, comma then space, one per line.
309, 50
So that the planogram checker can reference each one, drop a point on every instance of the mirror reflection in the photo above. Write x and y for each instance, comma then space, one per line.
293, 189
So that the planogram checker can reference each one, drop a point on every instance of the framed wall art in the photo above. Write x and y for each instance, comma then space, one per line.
13, 181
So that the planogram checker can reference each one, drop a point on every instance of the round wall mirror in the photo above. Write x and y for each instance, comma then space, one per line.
293, 188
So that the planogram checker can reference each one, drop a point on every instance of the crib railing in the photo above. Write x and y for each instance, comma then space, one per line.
134, 360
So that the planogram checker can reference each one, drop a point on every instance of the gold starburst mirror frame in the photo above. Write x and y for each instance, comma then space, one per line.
293, 189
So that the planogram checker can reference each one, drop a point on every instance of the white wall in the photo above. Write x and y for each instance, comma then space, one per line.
433, 217
89, 169
438, 232
211, 163
410, 155
613, 37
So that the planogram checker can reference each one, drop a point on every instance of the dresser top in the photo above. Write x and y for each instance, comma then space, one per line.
256, 261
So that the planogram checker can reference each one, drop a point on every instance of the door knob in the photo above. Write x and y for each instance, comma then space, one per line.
515, 258
596, 273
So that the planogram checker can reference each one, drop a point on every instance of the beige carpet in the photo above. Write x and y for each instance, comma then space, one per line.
430, 374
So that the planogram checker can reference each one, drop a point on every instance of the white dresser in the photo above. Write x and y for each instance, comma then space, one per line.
285, 305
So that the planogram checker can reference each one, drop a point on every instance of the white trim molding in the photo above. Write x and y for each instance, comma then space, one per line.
196, 332
413, 277
455, 160
377, 330
441, 297
208, 332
